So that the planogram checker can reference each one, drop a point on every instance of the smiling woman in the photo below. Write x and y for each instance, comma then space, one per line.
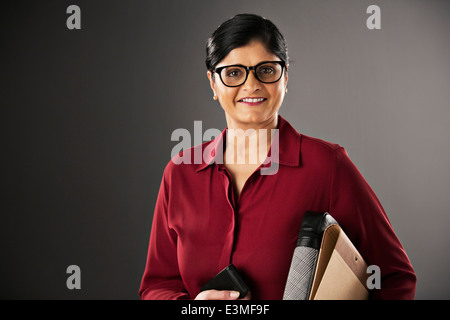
212, 214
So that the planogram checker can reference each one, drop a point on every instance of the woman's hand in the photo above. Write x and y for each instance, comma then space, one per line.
221, 295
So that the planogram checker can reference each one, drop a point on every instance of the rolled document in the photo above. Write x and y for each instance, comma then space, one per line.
306, 253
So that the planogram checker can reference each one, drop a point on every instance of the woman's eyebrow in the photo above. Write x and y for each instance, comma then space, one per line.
243, 65
231, 64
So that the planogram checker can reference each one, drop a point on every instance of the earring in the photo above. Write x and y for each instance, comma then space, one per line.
285, 90
215, 97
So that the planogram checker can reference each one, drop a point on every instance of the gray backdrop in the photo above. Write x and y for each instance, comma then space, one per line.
87, 117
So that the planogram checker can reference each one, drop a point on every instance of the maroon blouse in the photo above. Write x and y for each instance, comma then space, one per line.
199, 227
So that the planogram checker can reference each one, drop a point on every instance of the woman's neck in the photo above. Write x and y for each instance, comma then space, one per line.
249, 143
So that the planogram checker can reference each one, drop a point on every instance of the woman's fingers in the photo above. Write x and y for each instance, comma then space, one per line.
218, 295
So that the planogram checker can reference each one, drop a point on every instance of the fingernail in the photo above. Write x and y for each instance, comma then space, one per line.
234, 294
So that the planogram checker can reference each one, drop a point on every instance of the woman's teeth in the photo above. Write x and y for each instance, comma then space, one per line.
253, 100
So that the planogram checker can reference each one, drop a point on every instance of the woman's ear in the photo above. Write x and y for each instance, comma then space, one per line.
212, 83
286, 77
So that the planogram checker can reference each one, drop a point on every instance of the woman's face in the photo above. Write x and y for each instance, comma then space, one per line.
241, 112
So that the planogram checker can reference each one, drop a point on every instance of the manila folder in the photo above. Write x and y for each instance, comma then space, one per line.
341, 272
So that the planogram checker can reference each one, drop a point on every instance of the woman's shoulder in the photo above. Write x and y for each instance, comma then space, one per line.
310, 147
307, 143
320, 150
188, 161
316, 143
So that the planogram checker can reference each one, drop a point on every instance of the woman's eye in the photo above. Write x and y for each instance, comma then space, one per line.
234, 73
266, 70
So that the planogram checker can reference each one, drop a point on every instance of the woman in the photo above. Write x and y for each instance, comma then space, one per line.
223, 211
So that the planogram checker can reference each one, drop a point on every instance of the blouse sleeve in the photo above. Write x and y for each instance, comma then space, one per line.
161, 279
357, 209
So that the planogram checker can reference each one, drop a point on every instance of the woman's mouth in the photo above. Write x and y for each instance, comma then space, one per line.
252, 101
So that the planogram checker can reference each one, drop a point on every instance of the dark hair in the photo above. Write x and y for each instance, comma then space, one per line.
240, 31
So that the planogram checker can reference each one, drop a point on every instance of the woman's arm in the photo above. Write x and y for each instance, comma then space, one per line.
357, 209
161, 279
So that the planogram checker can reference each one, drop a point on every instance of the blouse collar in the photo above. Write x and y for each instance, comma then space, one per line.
288, 149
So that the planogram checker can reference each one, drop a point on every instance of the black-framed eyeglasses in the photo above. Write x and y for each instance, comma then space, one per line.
236, 75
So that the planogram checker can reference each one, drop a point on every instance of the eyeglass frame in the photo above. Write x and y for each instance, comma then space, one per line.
247, 71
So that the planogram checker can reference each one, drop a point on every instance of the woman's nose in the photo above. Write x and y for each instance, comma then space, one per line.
252, 84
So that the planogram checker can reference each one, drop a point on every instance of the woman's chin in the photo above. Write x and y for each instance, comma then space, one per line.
254, 117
